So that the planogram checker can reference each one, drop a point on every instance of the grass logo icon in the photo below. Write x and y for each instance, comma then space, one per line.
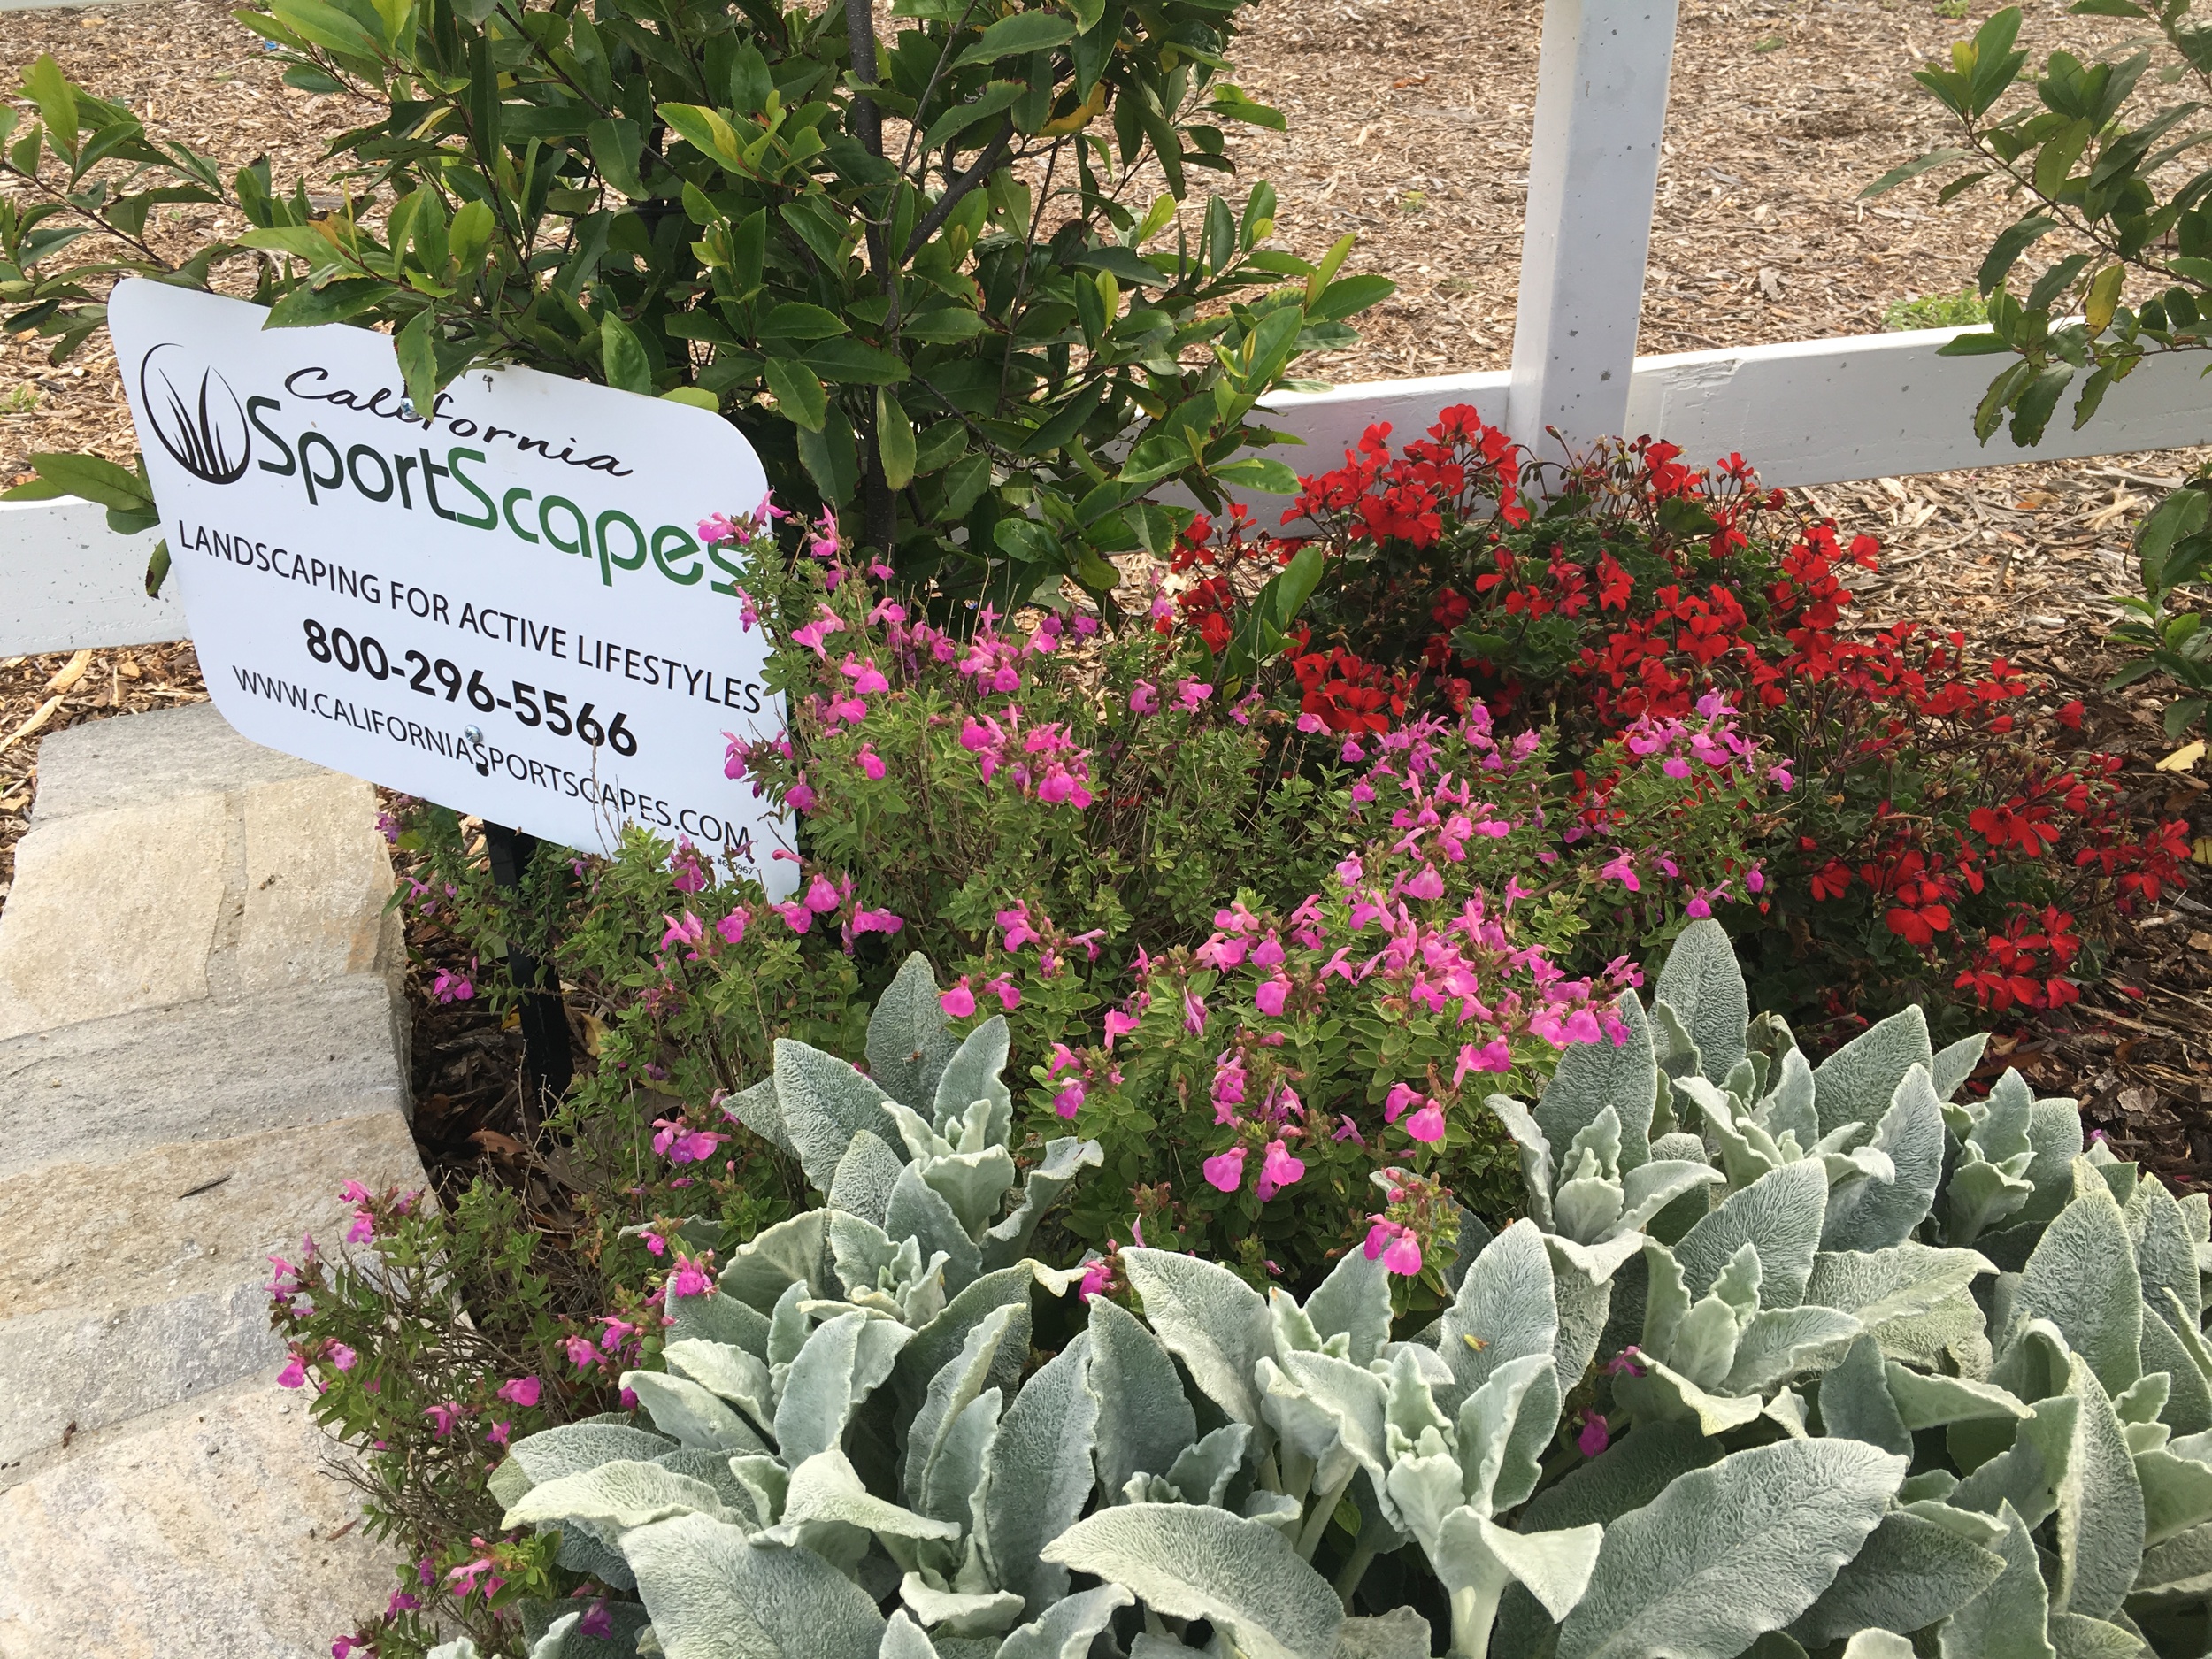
203, 428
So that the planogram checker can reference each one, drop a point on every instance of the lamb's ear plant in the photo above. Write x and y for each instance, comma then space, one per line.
1736, 1384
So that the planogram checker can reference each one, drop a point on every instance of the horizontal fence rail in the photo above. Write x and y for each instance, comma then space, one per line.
1808, 412
67, 581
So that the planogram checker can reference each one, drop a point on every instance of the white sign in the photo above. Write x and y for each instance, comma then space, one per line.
503, 607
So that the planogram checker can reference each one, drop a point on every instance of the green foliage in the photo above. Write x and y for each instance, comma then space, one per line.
2098, 184
409, 1343
696, 200
1069, 821
1963, 310
2125, 203
1810, 1436
2173, 634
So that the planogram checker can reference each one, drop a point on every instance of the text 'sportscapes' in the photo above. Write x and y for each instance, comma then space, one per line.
501, 605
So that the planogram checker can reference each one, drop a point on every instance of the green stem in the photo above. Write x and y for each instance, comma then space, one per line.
1354, 1569
1317, 1523
1474, 1610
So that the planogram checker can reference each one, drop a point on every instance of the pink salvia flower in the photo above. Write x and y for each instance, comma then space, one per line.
1427, 1125
1595, 1436
293, 1375
1404, 1257
1269, 998
1402, 1095
866, 677
689, 1279
1494, 1055
959, 1001
522, 1391
1224, 1171
442, 1417
1279, 1169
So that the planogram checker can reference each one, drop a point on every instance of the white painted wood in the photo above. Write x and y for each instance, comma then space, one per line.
1819, 411
1594, 170
67, 581
1809, 412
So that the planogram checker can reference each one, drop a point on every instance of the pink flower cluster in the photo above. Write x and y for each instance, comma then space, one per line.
1415, 1207
1404, 930
336, 1355
824, 897
1709, 750
679, 1143
959, 1001
1044, 761
618, 1350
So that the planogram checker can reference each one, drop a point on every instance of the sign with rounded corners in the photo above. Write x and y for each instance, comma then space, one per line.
502, 606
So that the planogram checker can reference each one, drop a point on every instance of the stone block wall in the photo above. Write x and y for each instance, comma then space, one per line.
201, 1037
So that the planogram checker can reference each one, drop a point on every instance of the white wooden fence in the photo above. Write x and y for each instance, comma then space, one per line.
1814, 411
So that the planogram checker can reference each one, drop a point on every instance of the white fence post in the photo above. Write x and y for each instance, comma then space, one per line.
1594, 170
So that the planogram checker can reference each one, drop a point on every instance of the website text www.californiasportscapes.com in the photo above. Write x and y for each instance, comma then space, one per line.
486, 757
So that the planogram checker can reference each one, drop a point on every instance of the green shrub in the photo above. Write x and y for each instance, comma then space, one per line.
1947, 840
696, 200
1078, 830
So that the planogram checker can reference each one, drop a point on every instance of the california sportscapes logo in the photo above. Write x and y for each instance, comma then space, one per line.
203, 426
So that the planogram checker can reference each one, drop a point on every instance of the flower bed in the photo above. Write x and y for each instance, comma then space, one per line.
1953, 831
1238, 934
1715, 1388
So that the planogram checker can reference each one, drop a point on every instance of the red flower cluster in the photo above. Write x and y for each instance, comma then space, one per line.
2025, 964
1347, 694
1941, 810
1461, 461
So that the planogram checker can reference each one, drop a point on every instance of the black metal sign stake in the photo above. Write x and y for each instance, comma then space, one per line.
548, 1061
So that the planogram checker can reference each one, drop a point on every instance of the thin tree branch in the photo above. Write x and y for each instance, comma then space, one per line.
981, 168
